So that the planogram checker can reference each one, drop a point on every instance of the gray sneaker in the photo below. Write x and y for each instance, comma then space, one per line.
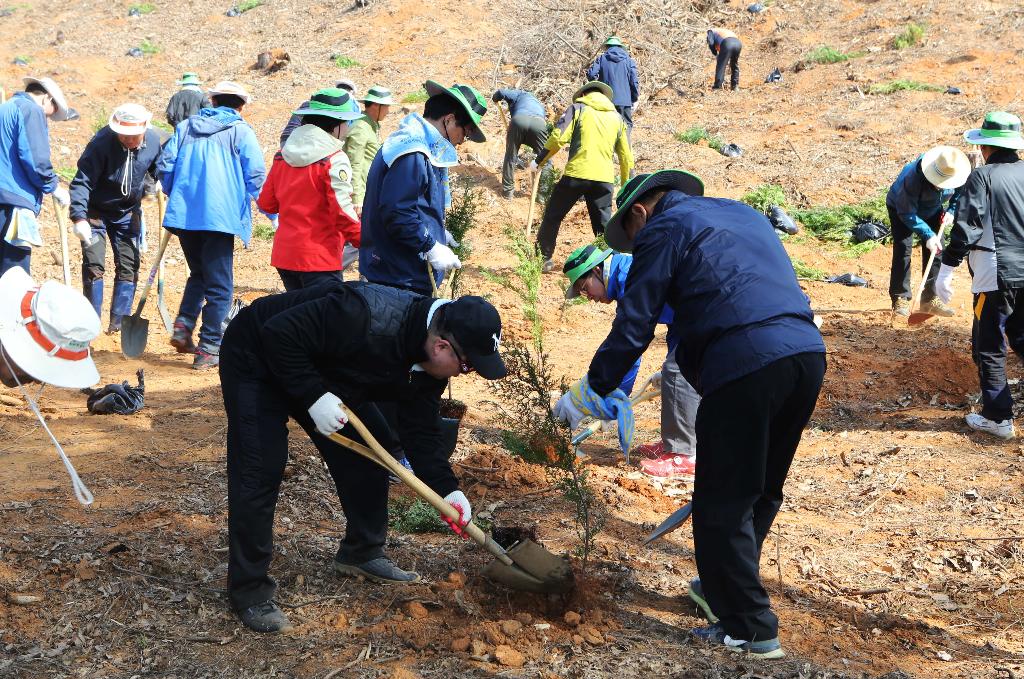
549, 266
901, 306
381, 569
265, 617
696, 595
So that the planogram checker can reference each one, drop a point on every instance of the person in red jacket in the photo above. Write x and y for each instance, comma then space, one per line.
310, 190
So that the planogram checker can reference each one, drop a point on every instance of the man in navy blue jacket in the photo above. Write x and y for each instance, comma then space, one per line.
749, 346
106, 202
617, 69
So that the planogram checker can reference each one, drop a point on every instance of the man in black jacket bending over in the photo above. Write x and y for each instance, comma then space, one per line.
312, 354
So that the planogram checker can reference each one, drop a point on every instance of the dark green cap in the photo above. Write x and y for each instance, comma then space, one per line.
582, 261
635, 188
471, 100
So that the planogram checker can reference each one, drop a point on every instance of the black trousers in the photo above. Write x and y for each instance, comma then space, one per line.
565, 194
728, 54
747, 434
996, 320
123, 244
296, 280
529, 130
257, 413
902, 253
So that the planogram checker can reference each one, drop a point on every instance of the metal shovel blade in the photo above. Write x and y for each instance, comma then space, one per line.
134, 333
535, 570
674, 520
918, 317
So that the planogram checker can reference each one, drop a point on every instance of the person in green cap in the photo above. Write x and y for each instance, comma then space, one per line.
594, 132
407, 191
363, 139
617, 69
309, 188
187, 101
989, 232
600, 276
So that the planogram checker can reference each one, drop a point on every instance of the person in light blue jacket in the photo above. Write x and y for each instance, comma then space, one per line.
210, 170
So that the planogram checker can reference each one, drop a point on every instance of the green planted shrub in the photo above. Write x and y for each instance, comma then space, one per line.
549, 176
249, 4
807, 272
901, 85
823, 54
143, 8
697, 134
407, 515
148, 48
524, 280
67, 173
263, 231
341, 61
417, 97
459, 220
101, 120
910, 36
764, 196
834, 223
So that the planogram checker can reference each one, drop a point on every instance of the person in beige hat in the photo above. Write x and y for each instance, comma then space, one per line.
26, 173
922, 198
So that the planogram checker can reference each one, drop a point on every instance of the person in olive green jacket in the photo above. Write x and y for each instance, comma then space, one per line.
364, 139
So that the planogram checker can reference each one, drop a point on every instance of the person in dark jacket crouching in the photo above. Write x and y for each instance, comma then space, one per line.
748, 345
313, 354
989, 232
106, 203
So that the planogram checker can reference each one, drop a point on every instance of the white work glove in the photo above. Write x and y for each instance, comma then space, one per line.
567, 412
449, 239
442, 258
654, 381
934, 245
944, 283
83, 230
533, 166
947, 219
458, 499
62, 196
328, 414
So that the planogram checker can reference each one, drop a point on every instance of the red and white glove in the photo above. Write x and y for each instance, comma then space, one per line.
458, 499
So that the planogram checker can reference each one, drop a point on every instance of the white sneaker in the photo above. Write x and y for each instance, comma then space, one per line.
1003, 430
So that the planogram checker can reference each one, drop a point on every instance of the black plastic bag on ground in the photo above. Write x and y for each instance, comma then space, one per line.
775, 76
866, 231
781, 221
117, 399
853, 280
731, 150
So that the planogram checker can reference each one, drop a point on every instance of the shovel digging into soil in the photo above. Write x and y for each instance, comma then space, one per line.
525, 566
918, 317
135, 328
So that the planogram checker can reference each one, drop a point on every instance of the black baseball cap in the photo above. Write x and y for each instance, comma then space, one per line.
475, 325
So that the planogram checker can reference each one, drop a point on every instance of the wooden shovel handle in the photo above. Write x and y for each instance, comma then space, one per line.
165, 237
533, 202
927, 270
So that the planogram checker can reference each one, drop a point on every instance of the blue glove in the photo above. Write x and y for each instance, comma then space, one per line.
582, 399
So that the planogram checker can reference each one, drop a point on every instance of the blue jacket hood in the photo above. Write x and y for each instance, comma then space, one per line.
212, 120
616, 54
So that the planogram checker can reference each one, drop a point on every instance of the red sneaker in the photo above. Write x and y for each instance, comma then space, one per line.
651, 451
670, 466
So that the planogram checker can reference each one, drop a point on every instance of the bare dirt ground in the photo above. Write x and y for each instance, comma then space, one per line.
898, 551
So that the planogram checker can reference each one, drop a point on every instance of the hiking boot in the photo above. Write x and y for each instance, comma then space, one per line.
381, 569
696, 595
549, 266
936, 307
265, 617
508, 195
1003, 430
405, 463
769, 649
901, 306
181, 339
670, 466
114, 326
205, 360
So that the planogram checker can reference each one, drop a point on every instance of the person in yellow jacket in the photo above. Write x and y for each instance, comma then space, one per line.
595, 132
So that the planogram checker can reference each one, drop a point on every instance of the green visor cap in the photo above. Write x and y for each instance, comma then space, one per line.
594, 86
471, 100
332, 103
613, 42
635, 188
582, 261
999, 129
378, 95
190, 79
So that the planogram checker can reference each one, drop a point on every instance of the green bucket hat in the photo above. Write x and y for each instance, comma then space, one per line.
594, 85
613, 42
333, 103
190, 79
471, 100
581, 262
635, 188
378, 95
999, 129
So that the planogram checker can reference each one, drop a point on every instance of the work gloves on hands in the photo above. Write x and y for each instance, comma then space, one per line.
328, 414
533, 166
947, 220
83, 230
61, 195
442, 258
449, 239
566, 411
944, 283
458, 499
934, 245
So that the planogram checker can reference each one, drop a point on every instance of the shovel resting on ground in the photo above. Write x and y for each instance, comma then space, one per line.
135, 328
674, 520
526, 566
161, 306
63, 226
918, 317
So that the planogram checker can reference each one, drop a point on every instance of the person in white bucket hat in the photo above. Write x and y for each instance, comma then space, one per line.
922, 198
106, 203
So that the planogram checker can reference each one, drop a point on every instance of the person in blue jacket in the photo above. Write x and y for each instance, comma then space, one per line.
748, 345
210, 170
617, 69
26, 173
528, 126
407, 191
106, 202
923, 197
600, 276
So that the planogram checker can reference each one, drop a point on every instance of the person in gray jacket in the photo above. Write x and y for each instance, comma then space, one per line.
528, 126
187, 101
